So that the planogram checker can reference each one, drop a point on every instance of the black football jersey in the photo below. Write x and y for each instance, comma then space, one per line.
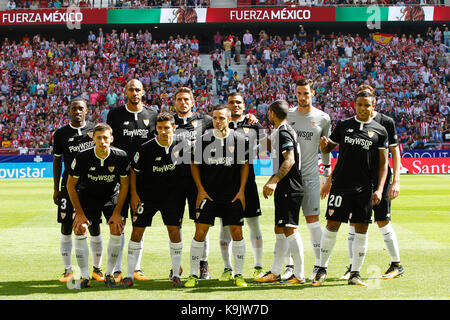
157, 170
253, 133
284, 139
68, 141
99, 178
358, 160
220, 161
191, 128
131, 129
389, 124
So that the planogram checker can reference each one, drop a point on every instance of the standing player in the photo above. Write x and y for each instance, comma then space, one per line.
190, 125
220, 172
288, 189
98, 183
382, 211
67, 142
253, 133
154, 181
133, 124
357, 182
310, 125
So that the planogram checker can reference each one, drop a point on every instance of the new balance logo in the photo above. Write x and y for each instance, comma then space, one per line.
158, 159
349, 130
126, 123
91, 168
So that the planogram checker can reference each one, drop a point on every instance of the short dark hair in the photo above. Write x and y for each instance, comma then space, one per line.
75, 100
280, 108
184, 90
165, 116
304, 82
364, 94
101, 127
221, 107
235, 94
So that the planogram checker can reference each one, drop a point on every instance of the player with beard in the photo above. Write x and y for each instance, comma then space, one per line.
253, 134
220, 172
287, 187
310, 124
67, 142
191, 125
132, 124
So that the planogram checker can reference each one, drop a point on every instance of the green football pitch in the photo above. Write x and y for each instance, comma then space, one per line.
30, 263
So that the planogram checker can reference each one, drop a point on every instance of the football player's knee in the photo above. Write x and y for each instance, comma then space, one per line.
94, 230
236, 233
174, 233
66, 229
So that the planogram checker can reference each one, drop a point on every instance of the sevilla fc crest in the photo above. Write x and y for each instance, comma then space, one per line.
111, 169
370, 133
330, 212
63, 215
146, 121
194, 123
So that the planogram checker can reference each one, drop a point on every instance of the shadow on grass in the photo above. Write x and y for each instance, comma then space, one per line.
22, 288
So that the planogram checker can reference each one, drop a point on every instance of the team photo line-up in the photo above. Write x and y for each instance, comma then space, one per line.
140, 162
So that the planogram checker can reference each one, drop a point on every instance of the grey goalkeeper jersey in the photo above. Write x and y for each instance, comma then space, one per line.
309, 128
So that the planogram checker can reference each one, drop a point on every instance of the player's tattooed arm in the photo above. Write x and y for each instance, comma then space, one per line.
284, 169
286, 166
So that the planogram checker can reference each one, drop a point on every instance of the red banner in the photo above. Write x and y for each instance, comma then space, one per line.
413, 165
441, 14
70, 16
426, 165
275, 14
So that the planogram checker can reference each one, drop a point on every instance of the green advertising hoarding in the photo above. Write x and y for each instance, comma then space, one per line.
370, 13
121, 16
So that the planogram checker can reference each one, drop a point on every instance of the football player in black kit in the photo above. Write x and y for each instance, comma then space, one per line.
154, 181
67, 142
287, 187
190, 125
253, 133
220, 172
357, 182
132, 124
98, 183
382, 211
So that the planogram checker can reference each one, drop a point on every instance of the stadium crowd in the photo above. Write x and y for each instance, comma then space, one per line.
40, 76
